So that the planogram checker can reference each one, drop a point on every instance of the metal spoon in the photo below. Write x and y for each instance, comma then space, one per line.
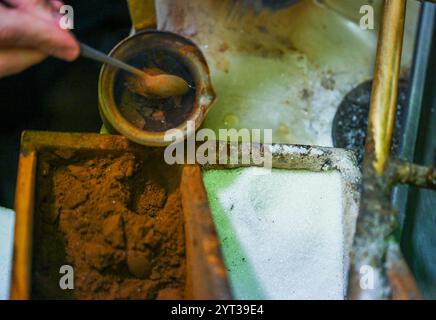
162, 85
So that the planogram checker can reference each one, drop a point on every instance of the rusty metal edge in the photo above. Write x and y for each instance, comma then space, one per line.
198, 219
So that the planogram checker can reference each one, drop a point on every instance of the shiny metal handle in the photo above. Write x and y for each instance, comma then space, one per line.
91, 53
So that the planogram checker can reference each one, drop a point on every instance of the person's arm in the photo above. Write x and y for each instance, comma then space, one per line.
29, 32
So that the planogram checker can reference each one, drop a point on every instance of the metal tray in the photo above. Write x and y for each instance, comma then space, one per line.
206, 274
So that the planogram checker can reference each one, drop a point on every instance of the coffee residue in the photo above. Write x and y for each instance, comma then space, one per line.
117, 220
149, 112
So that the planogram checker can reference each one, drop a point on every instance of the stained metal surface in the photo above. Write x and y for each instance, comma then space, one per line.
286, 69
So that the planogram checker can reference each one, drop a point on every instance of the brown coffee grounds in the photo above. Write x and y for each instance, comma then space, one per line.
116, 219
151, 113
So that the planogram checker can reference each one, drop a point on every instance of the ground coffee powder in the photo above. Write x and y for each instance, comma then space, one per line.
116, 219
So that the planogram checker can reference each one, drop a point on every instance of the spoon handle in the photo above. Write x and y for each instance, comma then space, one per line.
91, 53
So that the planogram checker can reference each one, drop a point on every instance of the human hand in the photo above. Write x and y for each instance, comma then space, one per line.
30, 32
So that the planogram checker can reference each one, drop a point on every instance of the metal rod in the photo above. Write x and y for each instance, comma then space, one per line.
377, 221
162, 85
413, 174
415, 108
91, 53
385, 87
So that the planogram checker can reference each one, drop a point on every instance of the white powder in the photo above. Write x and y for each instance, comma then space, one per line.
282, 233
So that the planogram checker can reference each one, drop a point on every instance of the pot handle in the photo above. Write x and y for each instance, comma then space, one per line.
143, 14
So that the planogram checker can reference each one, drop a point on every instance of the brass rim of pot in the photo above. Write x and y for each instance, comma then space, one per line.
190, 55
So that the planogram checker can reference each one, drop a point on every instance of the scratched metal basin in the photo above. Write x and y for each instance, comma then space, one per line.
286, 67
